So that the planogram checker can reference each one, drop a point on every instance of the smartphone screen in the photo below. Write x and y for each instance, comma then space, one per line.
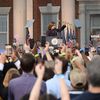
8, 50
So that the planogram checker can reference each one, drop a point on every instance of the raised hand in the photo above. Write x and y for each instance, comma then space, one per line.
46, 46
2, 58
63, 47
58, 66
40, 69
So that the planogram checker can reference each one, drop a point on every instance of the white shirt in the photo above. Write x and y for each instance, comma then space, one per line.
53, 86
1, 66
17, 63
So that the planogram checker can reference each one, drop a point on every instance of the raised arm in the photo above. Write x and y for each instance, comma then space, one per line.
64, 90
49, 58
36, 88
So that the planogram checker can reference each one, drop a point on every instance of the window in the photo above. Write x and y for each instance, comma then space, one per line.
3, 23
48, 13
47, 18
95, 29
3, 30
95, 23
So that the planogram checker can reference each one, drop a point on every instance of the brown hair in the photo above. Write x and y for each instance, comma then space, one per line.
27, 62
64, 63
50, 25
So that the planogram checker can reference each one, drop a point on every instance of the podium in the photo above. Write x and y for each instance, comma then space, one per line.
53, 40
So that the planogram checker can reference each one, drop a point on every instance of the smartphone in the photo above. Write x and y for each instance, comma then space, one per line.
8, 50
43, 41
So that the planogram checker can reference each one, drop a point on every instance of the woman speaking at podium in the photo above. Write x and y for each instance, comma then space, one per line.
53, 31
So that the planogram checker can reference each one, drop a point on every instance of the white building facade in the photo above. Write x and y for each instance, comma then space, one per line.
64, 11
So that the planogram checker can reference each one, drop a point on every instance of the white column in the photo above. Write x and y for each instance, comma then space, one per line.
19, 20
68, 11
30, 15
82, 21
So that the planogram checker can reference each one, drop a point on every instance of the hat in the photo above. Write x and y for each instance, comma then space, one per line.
78, 78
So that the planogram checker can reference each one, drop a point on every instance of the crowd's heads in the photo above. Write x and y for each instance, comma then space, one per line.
93, 69
61, 64
27, 62
49, 64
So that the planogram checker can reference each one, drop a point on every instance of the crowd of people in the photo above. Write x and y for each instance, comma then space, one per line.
39, 73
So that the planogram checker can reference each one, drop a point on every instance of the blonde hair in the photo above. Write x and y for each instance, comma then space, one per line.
9, 75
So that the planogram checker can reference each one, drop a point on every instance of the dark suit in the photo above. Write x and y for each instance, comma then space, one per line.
22, 85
